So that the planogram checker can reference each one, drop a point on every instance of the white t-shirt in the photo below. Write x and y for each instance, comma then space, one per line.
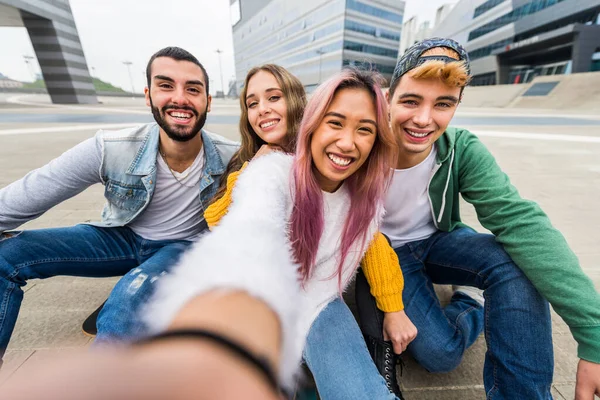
408, 212
175, 211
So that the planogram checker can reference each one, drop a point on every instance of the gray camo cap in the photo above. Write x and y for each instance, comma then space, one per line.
412, 56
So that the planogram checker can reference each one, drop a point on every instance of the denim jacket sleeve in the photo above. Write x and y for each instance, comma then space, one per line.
55, 182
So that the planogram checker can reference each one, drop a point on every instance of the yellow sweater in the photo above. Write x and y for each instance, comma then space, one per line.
380, 263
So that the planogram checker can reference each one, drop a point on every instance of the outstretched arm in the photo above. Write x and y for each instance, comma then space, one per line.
248, 251
55, 182
178, 369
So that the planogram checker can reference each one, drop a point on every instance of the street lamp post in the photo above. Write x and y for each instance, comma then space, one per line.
320, 53
128, 64
219, 51
28, 61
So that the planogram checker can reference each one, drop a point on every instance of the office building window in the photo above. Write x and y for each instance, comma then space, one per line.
483, 79
375, 11
485, 7
487, 50
367, 48
514, 15
371, 30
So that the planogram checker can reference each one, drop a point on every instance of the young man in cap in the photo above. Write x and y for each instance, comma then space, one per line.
524, 264
158, 179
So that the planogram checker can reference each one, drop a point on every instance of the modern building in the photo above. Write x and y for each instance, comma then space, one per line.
413, 31
54, 37
315, 38
513, 41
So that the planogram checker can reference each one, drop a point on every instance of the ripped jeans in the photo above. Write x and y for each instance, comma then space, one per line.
87, 251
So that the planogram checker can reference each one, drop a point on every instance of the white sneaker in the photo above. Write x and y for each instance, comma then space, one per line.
473, 292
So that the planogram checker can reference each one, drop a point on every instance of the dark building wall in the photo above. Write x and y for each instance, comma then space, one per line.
55, 39
587, 42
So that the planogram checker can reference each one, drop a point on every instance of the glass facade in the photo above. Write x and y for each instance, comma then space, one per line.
487, 50
483, 79
375, 11
589, 17
595, 66
314, 41
526, 74
514, 15
367, 48
371, 30
488, 5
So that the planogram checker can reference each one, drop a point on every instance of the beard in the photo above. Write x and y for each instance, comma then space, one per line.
176, 132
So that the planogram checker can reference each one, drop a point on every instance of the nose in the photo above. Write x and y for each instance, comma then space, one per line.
179, 96
263, 108
345, 141
422, 116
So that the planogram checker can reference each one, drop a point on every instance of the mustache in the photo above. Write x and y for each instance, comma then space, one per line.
174, 107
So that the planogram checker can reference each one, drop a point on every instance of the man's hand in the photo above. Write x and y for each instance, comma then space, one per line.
398, 328
266, 149
588, 380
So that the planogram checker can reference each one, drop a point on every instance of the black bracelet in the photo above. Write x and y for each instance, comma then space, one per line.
259, 362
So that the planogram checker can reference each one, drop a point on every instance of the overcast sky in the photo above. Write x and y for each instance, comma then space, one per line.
113, 31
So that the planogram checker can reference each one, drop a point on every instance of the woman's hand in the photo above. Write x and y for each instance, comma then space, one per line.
398, 328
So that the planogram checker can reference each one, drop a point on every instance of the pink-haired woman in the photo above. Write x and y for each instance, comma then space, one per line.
309, 216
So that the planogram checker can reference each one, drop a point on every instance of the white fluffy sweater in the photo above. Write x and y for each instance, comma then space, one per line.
250, 250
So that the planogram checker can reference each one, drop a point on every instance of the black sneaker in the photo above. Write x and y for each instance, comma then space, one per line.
89, 325
385, 360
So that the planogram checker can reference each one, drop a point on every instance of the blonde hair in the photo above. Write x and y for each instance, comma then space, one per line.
453, 74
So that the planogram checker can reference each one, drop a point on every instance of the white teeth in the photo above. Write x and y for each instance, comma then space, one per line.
418, 135
180, 115
268, 124
342, 162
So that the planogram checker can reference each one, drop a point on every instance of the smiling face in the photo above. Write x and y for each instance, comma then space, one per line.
267, 108
343, 140
420, 111
178, 98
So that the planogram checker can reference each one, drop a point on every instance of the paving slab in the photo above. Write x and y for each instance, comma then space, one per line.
566, 392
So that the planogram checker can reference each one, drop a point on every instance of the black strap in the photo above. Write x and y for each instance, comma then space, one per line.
260, 363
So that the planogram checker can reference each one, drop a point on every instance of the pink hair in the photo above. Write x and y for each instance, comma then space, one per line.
366, 186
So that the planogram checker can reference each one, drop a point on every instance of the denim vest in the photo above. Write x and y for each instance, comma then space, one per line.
129, 170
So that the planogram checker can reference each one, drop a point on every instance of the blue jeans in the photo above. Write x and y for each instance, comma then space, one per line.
519, 361
338, 358
88, 251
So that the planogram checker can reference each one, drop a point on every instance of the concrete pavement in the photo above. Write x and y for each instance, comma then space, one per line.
550, 160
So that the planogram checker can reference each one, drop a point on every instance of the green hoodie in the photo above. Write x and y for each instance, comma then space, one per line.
465, 166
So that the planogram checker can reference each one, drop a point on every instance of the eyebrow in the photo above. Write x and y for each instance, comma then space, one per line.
452, 99
168, 79
268, 90
341, 116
